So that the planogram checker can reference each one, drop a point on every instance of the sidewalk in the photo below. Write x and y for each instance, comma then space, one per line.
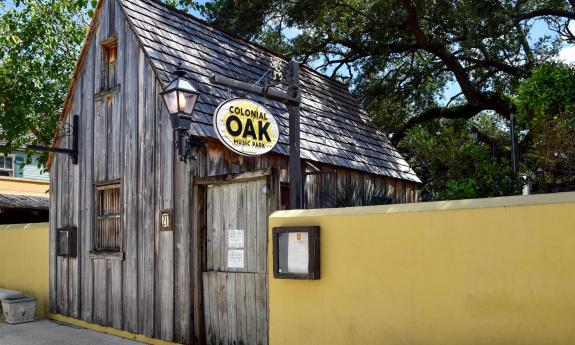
47, 332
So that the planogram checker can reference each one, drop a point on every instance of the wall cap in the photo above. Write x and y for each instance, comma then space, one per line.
25, 180
505, 201
25, 226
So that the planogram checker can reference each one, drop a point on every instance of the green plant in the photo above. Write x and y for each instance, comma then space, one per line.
454, 166
358, 194
546, 110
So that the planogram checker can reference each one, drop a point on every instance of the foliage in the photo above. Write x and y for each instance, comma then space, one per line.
39, 44
546, 109
455, 166
400, 56
356, 193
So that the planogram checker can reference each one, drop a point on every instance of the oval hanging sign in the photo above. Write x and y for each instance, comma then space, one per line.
246, 127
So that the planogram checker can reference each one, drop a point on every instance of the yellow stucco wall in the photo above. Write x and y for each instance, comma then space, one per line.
23, 186
488, 271
24, 261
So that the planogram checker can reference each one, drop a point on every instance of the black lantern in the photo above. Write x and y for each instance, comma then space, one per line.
180, 98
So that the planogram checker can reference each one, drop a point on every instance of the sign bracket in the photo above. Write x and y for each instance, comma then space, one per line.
73, 152
292, 99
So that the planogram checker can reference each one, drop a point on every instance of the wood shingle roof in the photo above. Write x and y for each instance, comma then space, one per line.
24, 201
334, 128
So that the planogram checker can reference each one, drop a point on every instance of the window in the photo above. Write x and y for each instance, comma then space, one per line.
110, 55
6, 166
108, 234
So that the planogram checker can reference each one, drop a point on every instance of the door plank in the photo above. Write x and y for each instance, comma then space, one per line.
222, 307
251, 227
240, 298
241, 217
217, 221
230, 211
207, 306
251, 322
261, 226
231, 305
262, 308
214, 304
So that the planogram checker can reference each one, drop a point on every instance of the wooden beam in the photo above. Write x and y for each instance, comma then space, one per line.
232, 178
264, 91
295, 168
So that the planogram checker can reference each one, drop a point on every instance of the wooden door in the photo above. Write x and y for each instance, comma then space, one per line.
235, 282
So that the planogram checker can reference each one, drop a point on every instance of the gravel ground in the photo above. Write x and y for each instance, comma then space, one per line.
48, 332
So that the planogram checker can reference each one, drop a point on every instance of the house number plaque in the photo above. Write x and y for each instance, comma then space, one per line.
166, 220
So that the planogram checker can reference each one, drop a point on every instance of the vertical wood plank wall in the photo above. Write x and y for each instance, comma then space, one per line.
127, 135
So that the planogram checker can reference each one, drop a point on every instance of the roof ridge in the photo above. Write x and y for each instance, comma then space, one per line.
245, 40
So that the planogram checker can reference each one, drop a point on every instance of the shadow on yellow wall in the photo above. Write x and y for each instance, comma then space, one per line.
24, 261
489, 271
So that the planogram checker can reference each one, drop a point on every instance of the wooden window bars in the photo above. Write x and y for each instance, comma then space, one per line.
108, 234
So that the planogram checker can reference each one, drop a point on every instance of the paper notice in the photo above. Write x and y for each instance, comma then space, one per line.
235, 258
298, 252
235, 239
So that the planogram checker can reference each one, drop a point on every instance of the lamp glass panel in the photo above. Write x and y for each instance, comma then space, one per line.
186, 101
171, 101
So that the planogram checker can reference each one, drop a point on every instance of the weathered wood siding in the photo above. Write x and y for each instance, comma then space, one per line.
125, 134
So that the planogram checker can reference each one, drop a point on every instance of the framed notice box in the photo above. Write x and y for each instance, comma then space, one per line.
66, 242
296, 252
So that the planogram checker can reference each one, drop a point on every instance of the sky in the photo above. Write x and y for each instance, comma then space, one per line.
567, 54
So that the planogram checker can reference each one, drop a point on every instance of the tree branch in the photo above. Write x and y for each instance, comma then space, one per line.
511, 70
545, 12
464, 111
525, 44
442, 53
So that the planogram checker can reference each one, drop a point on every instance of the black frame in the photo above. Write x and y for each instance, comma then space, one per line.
314, 252
69, 249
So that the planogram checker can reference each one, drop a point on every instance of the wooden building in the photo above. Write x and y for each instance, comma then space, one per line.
130, 273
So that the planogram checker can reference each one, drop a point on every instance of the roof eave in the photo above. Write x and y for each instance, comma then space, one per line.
90, 33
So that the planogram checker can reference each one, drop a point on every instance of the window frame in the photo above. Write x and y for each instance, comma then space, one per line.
98, 253
11, 170
109, 80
